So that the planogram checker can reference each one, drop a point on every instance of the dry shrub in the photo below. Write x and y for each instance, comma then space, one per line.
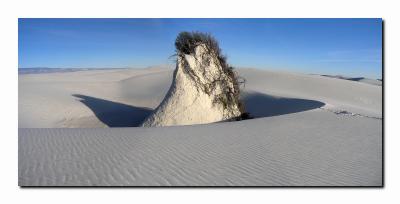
186, 42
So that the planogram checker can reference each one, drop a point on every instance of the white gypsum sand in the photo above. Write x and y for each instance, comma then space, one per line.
308, 130
202, 91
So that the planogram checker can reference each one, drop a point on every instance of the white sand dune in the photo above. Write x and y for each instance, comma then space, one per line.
74, 99
308, 130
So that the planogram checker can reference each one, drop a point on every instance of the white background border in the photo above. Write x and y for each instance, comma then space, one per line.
10, 11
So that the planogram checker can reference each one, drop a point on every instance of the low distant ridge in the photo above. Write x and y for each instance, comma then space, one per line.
377, 82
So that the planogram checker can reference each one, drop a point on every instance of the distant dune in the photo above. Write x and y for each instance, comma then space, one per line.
42, 70
377, 82
307, 130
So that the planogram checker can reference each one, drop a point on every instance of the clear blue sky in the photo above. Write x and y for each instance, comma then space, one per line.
351, 47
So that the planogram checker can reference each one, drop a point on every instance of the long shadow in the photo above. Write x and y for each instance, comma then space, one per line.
115, 114
263, 105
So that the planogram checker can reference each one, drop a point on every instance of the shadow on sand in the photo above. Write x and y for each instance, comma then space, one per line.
261, 105
115, 114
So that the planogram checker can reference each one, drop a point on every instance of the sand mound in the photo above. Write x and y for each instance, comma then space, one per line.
204, 88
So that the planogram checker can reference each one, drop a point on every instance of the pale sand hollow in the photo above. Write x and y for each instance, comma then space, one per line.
308, 130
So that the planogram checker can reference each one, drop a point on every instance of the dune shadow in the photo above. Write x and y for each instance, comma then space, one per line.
115, 114
263, 105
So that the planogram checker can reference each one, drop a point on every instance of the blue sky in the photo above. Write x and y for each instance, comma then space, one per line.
350, 47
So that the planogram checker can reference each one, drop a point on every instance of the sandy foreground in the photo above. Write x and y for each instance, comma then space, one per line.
308, 130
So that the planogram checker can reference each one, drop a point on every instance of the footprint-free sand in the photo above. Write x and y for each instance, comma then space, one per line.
307, 130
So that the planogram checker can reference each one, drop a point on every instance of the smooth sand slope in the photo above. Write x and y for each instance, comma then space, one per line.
308, 130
